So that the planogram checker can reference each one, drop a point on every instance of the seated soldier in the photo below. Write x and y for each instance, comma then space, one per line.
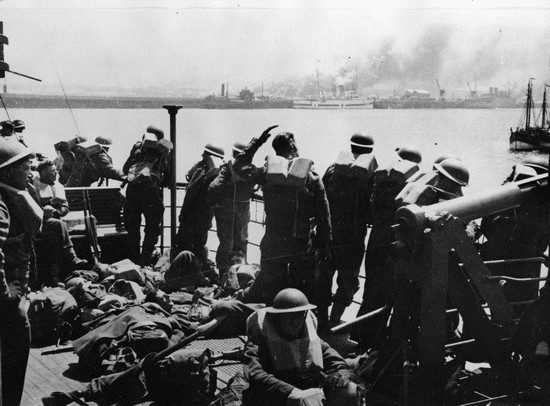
50, 195
286, 363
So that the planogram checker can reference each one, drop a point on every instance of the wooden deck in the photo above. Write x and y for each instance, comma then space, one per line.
55, 369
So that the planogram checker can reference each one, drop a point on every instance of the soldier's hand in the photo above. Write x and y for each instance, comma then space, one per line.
49, 211
15, 290
307, 397
265, 135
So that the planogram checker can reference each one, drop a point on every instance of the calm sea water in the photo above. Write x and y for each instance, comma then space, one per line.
479, 137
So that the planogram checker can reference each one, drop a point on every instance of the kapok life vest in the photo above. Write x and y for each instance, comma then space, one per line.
388, 183
28, 212
287, 172
348, 189
419, 191
48, 194
292, 356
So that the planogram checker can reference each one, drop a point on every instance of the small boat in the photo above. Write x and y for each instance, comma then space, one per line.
532, 136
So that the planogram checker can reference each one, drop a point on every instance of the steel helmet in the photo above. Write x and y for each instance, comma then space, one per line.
238, 147
157, 131
290, 300
455, 170
538, 163
361, 144
410, 153
214, 150
18, 125
105, 141
12, 151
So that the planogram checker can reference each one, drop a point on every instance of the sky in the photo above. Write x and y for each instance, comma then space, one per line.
97, 46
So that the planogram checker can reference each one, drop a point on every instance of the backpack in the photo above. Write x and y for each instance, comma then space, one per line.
183, 377
53, 315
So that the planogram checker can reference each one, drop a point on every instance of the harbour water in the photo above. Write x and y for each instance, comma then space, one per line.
478, 137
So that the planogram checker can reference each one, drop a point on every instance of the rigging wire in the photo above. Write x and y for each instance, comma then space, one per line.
5, 108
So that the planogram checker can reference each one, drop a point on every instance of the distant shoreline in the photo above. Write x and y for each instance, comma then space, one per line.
28, 101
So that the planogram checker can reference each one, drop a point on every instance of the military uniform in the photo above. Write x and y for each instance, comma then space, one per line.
230, 196
146, 173
89, 169
349, 187
196, 214
292, 214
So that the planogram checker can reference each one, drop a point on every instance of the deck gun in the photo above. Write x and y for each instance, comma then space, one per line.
435, 260
91, 227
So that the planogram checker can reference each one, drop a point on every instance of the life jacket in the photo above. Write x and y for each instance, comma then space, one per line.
47, 194
349, 188
150, 160
388, 183
292, 356
287, 172
25, 208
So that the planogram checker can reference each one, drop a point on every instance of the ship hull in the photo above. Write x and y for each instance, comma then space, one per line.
534, 139
332, 104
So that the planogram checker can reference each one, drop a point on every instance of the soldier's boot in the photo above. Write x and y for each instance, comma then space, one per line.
72, 261
336, 314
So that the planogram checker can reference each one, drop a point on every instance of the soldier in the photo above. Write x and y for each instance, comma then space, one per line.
146, 169
20, 220
348, 184
18, 127
93, 163
519, 233
388, 183
196, 215
297, 221
230, 195
65, 159
7, 129
50, 195
286, 361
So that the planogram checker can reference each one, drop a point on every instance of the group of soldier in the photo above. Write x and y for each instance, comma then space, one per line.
314, 226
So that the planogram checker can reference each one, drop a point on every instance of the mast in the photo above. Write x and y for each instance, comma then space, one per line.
543, 124
529, 104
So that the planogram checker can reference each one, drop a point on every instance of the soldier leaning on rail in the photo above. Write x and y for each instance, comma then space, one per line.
230, 195
348, 184
147, 170
297, 222
93, 164
20, 220
196, 214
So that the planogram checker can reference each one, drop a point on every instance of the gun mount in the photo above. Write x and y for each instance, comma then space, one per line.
437, 264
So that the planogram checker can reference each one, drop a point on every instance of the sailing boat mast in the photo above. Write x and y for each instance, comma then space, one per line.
543, 124
529, 106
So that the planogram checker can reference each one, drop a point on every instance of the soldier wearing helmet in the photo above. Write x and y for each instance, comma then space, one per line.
20, 220
93, 164
519, 233
287, 362
147, 170
453, 176
196, 214
348, 184
297, 221
230, 195
388, 182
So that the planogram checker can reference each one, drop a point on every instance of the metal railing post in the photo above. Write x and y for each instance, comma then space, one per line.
173, 110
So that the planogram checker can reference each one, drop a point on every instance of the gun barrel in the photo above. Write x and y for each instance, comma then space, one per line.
506, 197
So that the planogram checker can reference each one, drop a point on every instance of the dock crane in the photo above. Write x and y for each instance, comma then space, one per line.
441, 91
